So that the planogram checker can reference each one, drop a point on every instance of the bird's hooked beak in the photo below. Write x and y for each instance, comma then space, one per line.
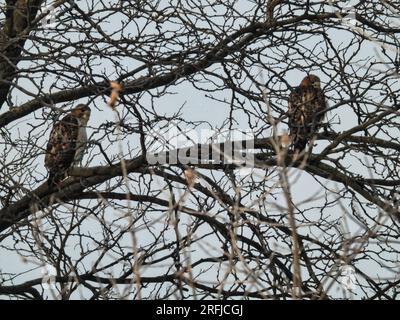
86, 114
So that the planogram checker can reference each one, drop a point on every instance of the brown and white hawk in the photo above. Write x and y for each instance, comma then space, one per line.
66, 143
307, 108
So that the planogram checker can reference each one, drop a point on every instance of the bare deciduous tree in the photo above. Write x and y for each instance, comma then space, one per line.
322, 226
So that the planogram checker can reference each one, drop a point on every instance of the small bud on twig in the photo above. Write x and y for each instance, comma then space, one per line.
114, 95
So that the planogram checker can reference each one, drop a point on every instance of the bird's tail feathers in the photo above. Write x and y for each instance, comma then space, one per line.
299, 144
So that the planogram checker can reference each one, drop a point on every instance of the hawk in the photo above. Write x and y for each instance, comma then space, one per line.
306, 110
67, 143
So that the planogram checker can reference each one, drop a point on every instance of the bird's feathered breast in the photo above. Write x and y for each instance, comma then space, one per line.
62, 144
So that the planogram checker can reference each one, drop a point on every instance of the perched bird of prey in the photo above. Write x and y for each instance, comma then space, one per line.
67, 143
307, 108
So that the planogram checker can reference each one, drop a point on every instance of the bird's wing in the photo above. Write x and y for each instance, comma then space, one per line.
321, 105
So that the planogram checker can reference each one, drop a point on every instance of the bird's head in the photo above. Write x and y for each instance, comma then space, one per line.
82, 111
311, 81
